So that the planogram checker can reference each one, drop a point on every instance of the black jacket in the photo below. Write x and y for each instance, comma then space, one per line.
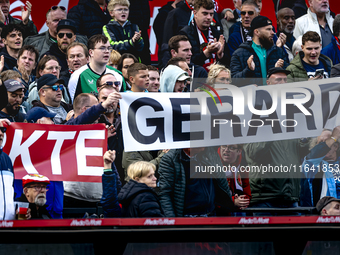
89, 18
10, 62
198, 56
61, 56
139, 200
40, 213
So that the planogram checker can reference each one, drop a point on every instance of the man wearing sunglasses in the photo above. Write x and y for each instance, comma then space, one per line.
239, 32
50, 90
43, 41
35, 188
66, 34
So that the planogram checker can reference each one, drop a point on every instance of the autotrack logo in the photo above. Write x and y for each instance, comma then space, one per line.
328, 220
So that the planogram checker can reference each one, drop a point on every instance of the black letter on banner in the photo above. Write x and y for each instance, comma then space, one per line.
178, 117
292, 109
263, 97
158, 122
325, 101
215, 114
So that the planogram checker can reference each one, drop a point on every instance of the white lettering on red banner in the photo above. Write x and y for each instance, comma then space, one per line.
60, 152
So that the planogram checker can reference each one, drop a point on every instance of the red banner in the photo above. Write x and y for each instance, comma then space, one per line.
60, 152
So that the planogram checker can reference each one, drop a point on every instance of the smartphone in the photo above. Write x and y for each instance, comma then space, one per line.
319, 72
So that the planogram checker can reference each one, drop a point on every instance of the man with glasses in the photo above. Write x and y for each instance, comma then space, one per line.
239, 32
85, 78
66, 34
35, 188
43, 41
50, 90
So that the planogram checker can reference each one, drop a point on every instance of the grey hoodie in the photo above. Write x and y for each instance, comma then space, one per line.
169, 77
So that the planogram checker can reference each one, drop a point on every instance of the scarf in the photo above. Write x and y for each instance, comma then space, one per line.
203, 45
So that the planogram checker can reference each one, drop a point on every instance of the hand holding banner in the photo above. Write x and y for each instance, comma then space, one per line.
60, 152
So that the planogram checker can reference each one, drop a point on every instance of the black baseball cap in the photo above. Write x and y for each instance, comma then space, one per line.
67, 23
49, 80
277, 70
258, 22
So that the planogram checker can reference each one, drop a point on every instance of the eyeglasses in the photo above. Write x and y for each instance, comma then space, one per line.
3, 129
231, 148
103, 49
51, 68
125, 10
111, 83
39, 188
55, 87
68, 35
249, 12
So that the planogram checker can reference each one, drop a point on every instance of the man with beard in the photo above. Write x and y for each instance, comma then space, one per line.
286, 25
66, 34
318, 19
35, 188
15, 93
254, 58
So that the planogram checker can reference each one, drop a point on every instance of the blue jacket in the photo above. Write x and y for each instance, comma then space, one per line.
239, 67
7, 210
332, 51
314, 166
87, 117
111, 187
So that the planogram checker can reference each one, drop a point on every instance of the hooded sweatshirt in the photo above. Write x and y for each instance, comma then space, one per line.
139, 200
169, 77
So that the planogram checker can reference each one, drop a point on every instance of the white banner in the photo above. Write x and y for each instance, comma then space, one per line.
154, 121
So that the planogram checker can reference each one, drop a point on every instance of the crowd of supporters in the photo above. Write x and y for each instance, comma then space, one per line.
76, 72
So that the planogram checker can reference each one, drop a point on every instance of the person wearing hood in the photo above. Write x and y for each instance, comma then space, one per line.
137, 197
173, 79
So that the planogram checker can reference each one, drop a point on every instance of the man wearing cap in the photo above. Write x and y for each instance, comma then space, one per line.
328, 206
173, 79
40, 115
254, 58
15, 94
35, 188
43, 41
66, 34
50, 93
277, 75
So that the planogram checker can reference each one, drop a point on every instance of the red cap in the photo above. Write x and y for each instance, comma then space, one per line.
34, 178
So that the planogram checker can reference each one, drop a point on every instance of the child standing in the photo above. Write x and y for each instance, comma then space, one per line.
124, 36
